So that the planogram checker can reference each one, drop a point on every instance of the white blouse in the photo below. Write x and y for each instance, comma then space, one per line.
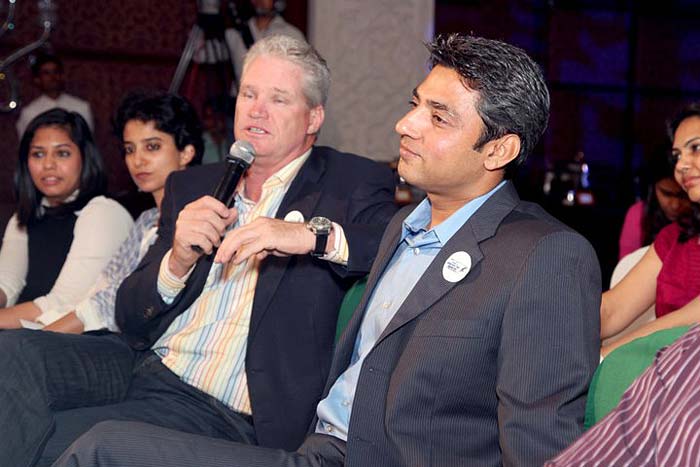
102, 225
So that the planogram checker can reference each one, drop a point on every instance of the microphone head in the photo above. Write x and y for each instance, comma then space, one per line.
241, 152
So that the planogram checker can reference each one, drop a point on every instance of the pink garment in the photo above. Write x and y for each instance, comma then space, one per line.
678, 281
631, 235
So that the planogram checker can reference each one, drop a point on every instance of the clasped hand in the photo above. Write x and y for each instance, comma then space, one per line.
204, 222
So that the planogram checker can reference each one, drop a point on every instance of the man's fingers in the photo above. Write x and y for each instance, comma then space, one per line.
210, 203
247, 250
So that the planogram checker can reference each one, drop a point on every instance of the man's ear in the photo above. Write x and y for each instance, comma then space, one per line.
316, 116
186, 156
501, 151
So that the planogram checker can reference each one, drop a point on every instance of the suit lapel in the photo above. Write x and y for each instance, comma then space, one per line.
303, 196
346, 344
432, 285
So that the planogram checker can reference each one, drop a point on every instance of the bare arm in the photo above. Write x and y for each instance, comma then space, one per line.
9, 317
69, 324
3, 299
687, 315
622, 304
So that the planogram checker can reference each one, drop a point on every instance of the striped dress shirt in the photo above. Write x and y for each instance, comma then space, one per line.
657, 421
206, 345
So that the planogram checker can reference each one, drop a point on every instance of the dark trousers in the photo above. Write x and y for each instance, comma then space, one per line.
55, 387
112, 444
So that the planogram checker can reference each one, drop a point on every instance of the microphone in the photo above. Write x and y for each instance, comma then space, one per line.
239, 158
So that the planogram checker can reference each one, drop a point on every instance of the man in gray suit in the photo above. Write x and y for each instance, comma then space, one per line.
479, 331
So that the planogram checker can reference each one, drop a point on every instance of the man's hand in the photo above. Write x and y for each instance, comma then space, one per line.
265, 236
201, 223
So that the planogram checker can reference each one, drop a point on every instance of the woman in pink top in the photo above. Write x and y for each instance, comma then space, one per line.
666, 202
669, 273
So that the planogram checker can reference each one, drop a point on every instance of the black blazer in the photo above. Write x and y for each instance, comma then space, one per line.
491, 370
297, 298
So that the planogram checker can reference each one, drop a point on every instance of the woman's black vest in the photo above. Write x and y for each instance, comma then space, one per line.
50, 239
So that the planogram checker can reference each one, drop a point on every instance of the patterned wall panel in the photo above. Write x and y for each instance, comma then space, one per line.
376, 58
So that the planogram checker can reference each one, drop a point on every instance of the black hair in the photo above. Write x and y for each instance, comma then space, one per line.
654, 219
92, 178
690, 226
513, 96
43, 58
170, 113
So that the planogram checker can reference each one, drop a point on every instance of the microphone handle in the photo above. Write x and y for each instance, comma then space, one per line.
226, 189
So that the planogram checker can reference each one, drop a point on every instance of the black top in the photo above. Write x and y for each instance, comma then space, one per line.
49, 241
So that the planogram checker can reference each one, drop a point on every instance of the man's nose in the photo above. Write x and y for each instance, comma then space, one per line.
406, 126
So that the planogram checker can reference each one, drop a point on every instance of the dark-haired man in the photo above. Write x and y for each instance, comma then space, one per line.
47, 71
479, 331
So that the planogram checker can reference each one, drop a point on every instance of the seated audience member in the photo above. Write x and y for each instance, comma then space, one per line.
668, 275
236, 350
160, 133
63, 232
448, 359
666, 202
47, 71
657, 420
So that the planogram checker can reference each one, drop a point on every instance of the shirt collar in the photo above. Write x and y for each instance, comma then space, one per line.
418, 220
282, 178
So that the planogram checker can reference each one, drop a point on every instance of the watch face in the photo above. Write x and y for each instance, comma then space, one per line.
320, 224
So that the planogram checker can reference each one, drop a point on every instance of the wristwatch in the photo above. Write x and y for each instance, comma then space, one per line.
321, 227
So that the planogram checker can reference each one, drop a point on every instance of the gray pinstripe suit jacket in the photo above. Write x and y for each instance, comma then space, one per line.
492, 370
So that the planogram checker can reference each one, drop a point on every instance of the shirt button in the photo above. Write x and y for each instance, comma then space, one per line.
386, 305
346, 403
329, 428
416, 251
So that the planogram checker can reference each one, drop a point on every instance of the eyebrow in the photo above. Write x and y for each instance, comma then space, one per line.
53, 146
144, 140
437, 105
691, 140
686, 144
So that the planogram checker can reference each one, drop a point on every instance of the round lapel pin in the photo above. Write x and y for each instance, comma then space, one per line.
294, 216
457, 266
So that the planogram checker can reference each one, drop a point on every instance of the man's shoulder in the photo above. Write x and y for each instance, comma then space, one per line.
347, 161
73, 100
535, 217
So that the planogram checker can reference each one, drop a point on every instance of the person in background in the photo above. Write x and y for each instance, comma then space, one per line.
666, 202
217, 140
47, 71
668, 275
64, 231
160, 133
267, 21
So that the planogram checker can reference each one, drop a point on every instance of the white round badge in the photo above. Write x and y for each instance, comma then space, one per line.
457, 266
294, 216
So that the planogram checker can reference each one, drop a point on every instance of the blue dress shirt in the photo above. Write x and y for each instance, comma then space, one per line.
414, 253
